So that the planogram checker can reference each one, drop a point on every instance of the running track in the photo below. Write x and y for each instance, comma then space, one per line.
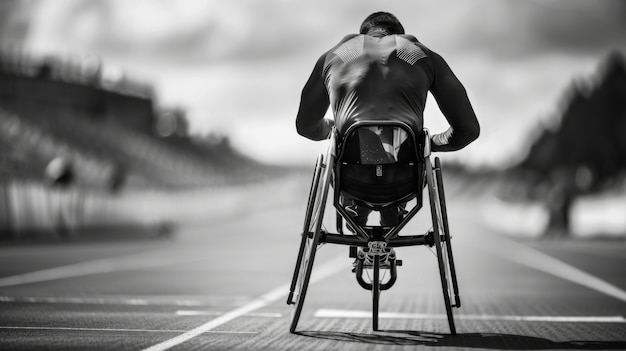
220, 284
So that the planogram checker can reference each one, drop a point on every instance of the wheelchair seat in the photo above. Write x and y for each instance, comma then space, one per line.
379, 164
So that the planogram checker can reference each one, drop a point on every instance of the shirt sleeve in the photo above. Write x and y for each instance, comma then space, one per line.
314, 102
455, 106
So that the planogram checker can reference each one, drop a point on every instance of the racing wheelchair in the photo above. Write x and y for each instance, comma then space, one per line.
375, 166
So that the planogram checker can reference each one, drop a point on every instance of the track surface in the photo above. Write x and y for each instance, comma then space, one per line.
221, 284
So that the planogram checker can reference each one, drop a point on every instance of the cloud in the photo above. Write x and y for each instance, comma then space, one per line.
201, 31
519, 29
161, 30
191, 30
238, 66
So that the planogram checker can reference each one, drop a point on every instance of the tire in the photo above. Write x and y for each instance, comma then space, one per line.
375, 292
311, 236
446, 229
440, 246
305, 228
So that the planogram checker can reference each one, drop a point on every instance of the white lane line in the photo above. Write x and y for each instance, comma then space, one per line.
222, 301
618, 254
319, 273
532, 258
330, 313
508, 249
76, 300
120, 330
106, 265
217, 313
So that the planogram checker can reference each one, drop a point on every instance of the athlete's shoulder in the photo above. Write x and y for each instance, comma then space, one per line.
409, 37
348, 37
350, 47
413, 40
409, 49
345, 39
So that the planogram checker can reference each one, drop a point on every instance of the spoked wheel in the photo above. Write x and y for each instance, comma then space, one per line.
442, 248
310, 239
375, 292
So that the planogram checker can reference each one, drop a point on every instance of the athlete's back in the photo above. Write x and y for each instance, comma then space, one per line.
383, 74
378, 77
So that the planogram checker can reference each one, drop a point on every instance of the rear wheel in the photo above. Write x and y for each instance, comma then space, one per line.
454, 288
305, 229
310, 240
440, 245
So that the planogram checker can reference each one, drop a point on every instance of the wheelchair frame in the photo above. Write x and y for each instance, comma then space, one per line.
372, 246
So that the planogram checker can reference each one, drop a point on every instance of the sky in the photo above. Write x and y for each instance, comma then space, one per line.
237, 67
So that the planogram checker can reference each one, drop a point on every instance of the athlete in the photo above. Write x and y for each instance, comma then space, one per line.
384, 74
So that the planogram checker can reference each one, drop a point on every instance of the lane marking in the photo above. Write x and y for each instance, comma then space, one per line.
330, 313
619, 255
107, 265
548, 264
319, 273
217, 313
222, 301
134, 302
121, 330
532, 258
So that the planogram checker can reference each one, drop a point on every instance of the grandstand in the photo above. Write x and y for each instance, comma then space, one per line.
79, 140
104, 125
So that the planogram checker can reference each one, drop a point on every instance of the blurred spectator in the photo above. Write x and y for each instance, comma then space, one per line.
45, 71
118, 178
59, 172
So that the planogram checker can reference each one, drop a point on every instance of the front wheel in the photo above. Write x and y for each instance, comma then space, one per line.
375, 292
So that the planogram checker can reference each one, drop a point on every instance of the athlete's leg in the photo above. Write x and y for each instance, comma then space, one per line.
358, 212
392, 216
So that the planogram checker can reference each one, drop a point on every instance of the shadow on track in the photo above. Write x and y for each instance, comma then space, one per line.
469, 340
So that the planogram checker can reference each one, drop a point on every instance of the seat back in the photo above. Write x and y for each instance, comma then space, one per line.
379, 164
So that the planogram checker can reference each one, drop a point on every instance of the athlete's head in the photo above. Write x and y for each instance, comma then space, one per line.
381, 21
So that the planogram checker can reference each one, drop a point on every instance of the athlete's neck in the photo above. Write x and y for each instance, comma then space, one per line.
377, 32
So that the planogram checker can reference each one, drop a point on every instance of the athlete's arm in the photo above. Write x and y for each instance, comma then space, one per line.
314, 103
455, 106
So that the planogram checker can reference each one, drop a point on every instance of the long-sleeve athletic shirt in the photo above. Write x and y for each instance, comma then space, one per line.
384, 77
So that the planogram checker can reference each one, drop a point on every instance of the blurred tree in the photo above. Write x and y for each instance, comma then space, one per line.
588, 148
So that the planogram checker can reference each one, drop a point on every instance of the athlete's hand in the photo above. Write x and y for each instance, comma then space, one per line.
442, 138
330, 123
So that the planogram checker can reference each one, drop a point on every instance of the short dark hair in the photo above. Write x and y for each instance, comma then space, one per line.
382, 20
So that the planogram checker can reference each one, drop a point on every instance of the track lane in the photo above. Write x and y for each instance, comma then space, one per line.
220, 267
